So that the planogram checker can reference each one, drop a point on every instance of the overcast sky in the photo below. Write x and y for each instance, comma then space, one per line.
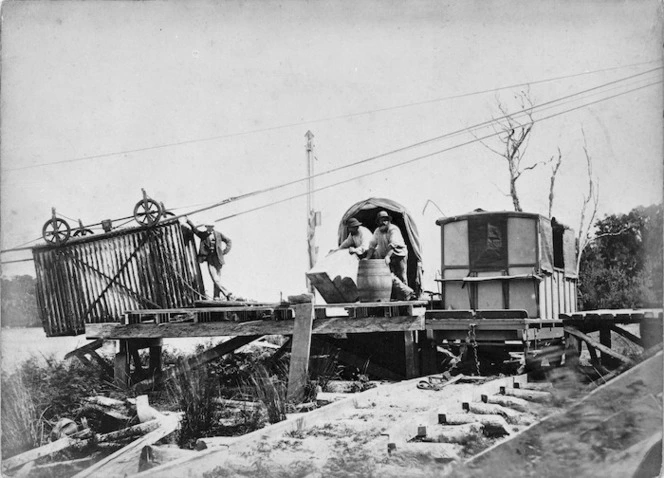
200, 101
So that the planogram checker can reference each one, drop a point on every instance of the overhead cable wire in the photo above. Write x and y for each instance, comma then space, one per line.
418, 158
320, 120
533, 109
410, 146
515, 115
403, 163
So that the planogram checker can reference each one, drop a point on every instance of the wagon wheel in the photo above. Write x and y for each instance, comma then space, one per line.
82, 230
56, 231
147, 212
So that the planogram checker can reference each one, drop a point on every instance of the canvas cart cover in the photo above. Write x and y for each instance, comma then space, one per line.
366, 212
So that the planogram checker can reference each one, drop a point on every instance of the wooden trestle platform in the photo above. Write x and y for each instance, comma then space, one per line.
417, 329
578, 325
246, 322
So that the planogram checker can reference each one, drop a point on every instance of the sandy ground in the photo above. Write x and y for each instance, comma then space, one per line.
346, 439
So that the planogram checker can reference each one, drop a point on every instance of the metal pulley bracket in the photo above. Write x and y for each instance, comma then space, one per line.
82, 230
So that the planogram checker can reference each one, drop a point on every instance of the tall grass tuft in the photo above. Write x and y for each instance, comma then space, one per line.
194, 390
21, 423
271, 391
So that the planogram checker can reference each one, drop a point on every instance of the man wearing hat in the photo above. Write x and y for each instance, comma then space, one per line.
358, 240
388, 243
212, 251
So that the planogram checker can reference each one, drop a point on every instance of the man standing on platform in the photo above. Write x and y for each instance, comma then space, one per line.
358, 240
212, 251
388, 244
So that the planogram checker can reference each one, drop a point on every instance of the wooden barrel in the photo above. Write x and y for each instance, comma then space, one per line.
374, 280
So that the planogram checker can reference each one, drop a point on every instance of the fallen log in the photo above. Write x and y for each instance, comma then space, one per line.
106, 402
129, 432
445, 418
533, 395
36, 453
124, 462
545, 386
510, 415
518, 404
455, 433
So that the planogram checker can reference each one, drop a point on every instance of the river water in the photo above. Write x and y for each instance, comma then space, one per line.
18, 344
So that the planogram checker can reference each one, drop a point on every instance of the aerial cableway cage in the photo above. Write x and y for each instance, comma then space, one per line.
96, 278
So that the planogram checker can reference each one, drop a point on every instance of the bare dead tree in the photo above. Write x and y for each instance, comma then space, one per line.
590, 204
554, 172
513, 131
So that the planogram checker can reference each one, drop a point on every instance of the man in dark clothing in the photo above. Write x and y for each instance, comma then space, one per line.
212, 251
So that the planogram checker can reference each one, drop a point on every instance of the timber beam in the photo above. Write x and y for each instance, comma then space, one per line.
334, 325
595, 344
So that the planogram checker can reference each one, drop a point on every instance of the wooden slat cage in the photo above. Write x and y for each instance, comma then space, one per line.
96, 278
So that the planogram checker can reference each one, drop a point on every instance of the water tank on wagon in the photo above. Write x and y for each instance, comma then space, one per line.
508, 260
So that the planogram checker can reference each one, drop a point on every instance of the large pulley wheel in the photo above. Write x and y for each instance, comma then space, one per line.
56, 231
147, 212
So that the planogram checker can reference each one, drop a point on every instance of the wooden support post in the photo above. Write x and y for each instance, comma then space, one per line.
155, 360
121, 368
299, 365
605, 339
650, 330
411, 357
429, 365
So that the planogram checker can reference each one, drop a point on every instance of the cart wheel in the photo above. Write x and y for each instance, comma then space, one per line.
82, 232
56, 231
147, 212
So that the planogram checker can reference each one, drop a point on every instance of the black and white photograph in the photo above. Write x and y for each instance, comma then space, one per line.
312, 239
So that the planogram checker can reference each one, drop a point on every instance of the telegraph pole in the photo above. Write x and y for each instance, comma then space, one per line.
313, 218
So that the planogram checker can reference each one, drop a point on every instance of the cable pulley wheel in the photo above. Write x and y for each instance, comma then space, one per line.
147, 212
56, 231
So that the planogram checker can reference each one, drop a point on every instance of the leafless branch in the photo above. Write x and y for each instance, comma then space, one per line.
589, 200
483, 143
554, 172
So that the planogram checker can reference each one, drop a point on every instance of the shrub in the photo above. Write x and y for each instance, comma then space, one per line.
38, 394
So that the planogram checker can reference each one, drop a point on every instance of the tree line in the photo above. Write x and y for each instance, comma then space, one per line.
19, 302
